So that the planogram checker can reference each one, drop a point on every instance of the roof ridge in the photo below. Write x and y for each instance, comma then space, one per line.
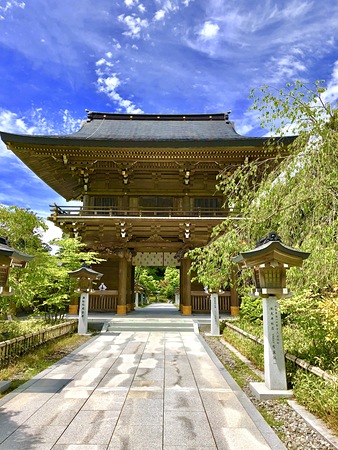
92, 115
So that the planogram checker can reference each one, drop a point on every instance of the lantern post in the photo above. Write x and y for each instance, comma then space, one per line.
270, 261
85, 277
214, 312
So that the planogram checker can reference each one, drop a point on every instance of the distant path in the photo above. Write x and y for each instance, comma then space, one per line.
157, 310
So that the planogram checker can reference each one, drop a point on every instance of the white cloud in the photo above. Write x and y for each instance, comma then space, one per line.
104, 62
209, 30
35, 122
134, 24
108, 85
331, 93
10, 5
11, 123
166, 7
53, 232
295, 9
108, 82
142, 8
159, 15
286, 67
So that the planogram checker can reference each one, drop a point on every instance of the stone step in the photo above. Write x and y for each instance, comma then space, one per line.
4, 385
148, 325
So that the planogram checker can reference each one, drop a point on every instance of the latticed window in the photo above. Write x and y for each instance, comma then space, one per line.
208, 203
156, 202
105, 202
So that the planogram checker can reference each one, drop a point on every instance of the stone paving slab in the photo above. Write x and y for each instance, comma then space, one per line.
134, 391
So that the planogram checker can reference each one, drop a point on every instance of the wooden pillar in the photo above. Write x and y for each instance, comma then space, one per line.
185, 280
122, 295
130, 286
234, 298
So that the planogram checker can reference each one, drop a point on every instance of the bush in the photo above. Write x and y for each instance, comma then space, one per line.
311, 327
319, 396
248, 348
251, 309
10, 329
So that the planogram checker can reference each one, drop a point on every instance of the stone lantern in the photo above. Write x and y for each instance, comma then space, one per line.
270, 261
10, 257
85, 277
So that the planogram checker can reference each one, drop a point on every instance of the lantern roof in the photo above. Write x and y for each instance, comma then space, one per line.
270, 250
85, 272
18, 258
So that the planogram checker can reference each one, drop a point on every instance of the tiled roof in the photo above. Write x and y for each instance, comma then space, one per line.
113, 130
146, 127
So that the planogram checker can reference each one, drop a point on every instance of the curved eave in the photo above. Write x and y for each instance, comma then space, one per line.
44, 155
15, 255
68, 141
275, 249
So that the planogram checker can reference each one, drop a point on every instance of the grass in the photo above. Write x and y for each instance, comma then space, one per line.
246, 347
320, 397
10, 329
30, 364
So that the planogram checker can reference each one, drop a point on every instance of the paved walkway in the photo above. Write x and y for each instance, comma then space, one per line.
134, 391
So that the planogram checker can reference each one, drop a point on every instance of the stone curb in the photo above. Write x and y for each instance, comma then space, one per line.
267, 432
317, 424
37, 377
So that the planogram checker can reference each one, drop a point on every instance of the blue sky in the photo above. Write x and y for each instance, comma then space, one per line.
58, 58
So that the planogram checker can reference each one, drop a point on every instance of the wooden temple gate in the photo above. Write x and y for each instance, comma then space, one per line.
147, 184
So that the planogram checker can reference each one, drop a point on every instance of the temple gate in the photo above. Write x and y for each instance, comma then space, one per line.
147, 184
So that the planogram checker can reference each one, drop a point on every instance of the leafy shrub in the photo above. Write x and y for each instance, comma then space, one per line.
319, 396
14, 328
311, 327
248, 348
251, 309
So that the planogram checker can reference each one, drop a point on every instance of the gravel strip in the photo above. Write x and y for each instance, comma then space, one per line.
293, 430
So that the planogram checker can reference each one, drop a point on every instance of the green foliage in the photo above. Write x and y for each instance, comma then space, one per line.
44, 286
52, 293
311, 327
294, 193
22, 228
14, 328
251, 309
248, 348
170, 282
146, 280
319, 396
212, 264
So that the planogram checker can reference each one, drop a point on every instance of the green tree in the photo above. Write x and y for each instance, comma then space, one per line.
44, 286
23, 230
146, 280
170, 282
293, 193
54, 289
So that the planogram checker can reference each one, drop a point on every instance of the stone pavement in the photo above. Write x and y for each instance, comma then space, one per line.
134, 391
